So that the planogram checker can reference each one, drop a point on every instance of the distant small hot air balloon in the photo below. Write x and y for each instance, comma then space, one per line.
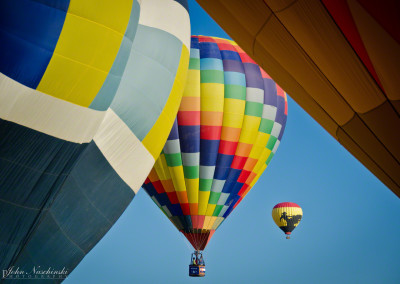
287, 215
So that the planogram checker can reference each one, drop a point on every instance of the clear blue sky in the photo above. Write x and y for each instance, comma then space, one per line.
349, 232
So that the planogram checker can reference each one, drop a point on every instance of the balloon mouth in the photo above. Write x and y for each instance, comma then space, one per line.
288, 233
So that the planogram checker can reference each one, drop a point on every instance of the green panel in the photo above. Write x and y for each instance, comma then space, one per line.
253, 109
211, 76
235, 92
266, 125
191, 172
194, 63
269, 158
214, 196
205, 184
173, 160
217, 210
271, 142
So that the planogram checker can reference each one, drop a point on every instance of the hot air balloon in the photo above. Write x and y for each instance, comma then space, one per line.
338, 59
287, 215
229, 126
89, 91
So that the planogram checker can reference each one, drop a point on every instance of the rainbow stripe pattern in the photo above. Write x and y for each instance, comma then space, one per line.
229, 126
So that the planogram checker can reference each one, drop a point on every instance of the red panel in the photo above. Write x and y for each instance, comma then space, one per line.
226, 46
189, 118
185, 209
238, 162
172, 197
205, 39
286, 204
195, 221
245, 58
265, 74
200, 221
386, 13
227, 147
210, 132
158, 186
243, 190
147, 181
243, 176
340, 12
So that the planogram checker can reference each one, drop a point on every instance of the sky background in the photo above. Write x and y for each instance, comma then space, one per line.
349, 232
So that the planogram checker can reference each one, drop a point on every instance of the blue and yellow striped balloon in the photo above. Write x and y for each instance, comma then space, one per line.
89, 91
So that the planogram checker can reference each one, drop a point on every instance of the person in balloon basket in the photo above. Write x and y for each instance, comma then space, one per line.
200, 261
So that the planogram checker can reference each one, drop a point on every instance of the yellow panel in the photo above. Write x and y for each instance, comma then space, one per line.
192, 188
209, 222
83, 56
112, 14
178, 178
160, 166
163, 125
71, 81
192, 88
234, 106
217, 223
251, 125
210, 209
212, 97
259, 145
203, 201
232, 120
291, 211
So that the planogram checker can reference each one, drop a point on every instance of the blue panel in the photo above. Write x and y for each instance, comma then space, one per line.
190, 138
149, 188
208, 152
235, 78
230, 55
148, 79
253, 76
29, 32
211, 64
183, 220
233, 66
194, 42
88, 204
209, 50
270, 97
33, 166
223, 166
221, 173
231, 180
175, 209
107, 92
174, 133
163, 199
280, 115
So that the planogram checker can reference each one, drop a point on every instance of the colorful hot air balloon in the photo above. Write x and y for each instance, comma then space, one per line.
287, 215
338, 59
89, 91
229, 125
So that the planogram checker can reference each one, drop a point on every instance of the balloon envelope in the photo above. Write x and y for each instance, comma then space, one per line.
287, 215
338, 59
229, 126
88, 93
